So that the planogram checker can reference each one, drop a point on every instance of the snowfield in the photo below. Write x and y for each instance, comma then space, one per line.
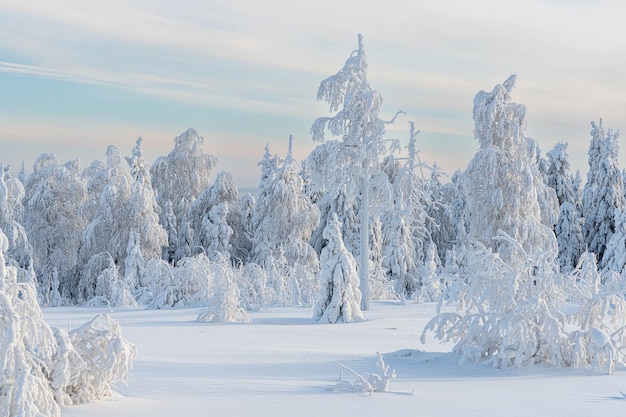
285, 364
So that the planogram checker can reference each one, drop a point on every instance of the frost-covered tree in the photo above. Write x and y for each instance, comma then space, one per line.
409, 222
400, 260
109, 229
440, 217
217, 233
339, 298
134, 264
126, 204
143, 211
168, 220
209, 215
361, 130
27, 345
603, 195
241, 222
283, 222
54, 223
614, 258
568, 229
182, 175
19, 252
504, 187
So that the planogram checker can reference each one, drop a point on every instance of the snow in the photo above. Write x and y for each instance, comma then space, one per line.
285, 364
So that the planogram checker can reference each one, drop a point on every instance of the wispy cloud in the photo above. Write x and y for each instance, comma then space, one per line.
267, 58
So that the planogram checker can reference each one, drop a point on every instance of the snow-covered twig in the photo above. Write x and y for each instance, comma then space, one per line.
373, 382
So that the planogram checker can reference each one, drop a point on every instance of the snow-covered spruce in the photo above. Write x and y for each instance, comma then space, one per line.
568, 229
603, 195
339, 297
283, 223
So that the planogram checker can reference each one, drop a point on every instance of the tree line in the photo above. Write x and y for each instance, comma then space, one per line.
511, 238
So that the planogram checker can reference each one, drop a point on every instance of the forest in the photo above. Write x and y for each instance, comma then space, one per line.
525, 259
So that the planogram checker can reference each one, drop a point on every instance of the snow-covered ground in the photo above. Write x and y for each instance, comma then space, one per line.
284, 364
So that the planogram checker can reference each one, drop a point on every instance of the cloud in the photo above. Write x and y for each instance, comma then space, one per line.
259, 63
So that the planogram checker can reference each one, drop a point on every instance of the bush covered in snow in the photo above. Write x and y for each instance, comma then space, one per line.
41, 367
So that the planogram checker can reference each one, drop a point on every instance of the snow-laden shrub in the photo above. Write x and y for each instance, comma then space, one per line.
507, 314
42, 367
102, 285
107, 358
599, 340
189, 282
223, 306
514, 315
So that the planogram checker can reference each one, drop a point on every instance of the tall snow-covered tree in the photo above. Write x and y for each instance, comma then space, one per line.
283, 222
357, 122
20, 251
182, 175
568, 228
339, 298
54, 222
126, 205
108, 231
503, 184
143, 211
603, 195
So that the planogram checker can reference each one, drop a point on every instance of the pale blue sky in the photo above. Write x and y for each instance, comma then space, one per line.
77, 75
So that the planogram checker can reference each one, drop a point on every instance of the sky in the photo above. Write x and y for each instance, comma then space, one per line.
78, 75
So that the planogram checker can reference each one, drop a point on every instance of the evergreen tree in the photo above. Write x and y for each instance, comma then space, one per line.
568, 228
339, 298
603, 195
284, 221
143, 212
240, 220
614, 258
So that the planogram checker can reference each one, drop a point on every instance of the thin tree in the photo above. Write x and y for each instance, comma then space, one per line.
358, 123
